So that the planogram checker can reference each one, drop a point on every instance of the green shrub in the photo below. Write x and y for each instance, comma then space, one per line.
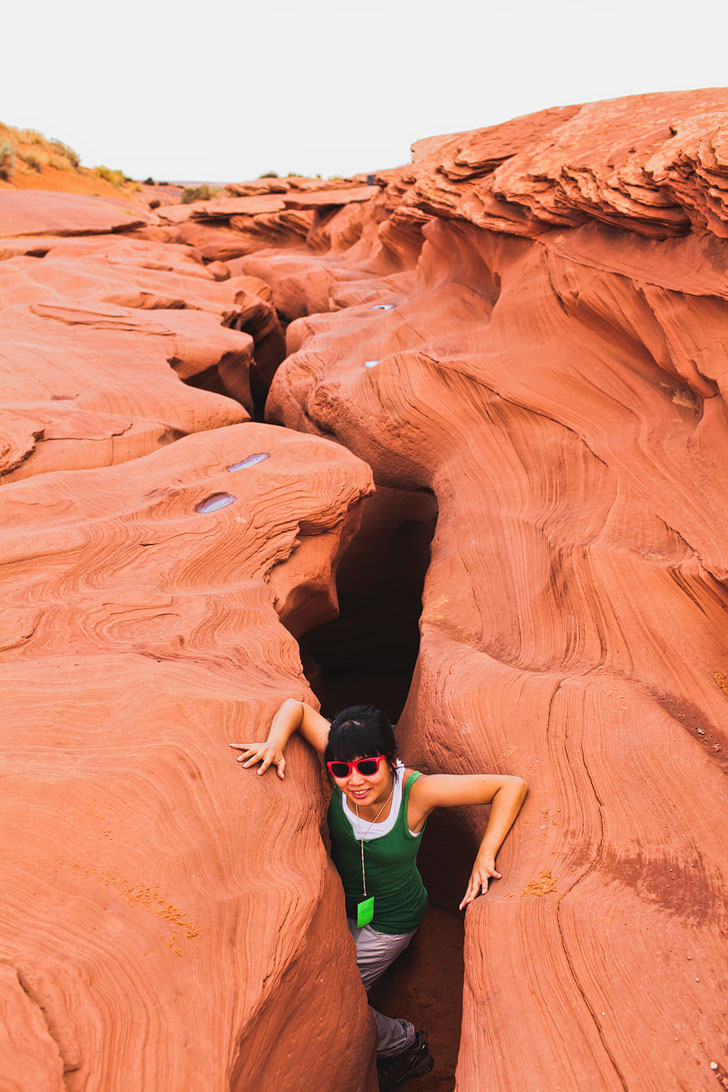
7, 160
195, 193
269, 174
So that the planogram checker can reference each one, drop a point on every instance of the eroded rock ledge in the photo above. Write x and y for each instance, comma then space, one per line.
530, 322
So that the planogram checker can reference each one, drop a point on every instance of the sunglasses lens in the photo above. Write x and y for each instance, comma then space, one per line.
367, 766
339, 769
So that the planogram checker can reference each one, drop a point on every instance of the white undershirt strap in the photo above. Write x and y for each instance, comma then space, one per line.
378, 830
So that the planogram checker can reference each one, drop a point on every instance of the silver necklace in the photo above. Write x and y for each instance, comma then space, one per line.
363, 836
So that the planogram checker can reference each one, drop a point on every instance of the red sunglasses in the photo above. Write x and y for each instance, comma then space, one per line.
367, 767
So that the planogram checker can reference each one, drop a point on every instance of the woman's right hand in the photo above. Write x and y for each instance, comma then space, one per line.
268, 754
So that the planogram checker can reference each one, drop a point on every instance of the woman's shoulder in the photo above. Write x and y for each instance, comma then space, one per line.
412, 779
410, 776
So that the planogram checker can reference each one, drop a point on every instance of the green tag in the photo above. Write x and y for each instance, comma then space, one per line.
364, 912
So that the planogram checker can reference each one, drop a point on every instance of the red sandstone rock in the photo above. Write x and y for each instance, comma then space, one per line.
325, 198
259, 185
118, 380
563, 395
213, 243
158, 928
221, 208
37, 212
291, 184
265, 219
90, 301
528, 323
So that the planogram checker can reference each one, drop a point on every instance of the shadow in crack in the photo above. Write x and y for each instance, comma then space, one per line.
367, 655
425, 985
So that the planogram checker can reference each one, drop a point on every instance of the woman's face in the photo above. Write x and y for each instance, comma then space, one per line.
367, 791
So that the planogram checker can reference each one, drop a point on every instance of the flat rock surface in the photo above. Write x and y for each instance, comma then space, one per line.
37, 212
222, 208
333, 196
98, 333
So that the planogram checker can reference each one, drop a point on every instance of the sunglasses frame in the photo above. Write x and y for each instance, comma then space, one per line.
351, 765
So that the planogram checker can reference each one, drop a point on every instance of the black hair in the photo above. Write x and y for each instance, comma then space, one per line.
361, 731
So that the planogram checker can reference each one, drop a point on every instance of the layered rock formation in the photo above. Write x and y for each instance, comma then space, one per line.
161, 926
553, 369
524, 330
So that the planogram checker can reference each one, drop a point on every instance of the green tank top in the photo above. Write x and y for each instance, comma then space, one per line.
390, 863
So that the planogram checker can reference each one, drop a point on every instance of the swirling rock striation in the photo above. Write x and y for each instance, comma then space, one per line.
533, 325
98, 334
170, 921
529, 322
162, 924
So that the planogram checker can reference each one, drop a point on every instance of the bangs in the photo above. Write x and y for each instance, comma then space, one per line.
351, 741
361, 731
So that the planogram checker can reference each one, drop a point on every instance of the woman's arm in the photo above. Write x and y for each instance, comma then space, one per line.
504, 793
293, 716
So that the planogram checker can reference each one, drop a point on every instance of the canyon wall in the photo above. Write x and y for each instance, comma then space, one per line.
552, 364
528, 323
169, 921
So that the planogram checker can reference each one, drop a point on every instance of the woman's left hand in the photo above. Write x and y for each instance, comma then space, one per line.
483, 871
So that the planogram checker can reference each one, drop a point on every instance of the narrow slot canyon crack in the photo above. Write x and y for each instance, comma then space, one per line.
367, 655
543, 347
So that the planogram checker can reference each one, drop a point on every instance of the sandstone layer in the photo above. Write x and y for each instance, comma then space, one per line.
537, 334
152, 894
162, 928
525, 332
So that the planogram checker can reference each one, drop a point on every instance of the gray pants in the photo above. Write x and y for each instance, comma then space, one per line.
374, 953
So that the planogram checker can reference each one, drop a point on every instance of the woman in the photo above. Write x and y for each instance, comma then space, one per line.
376, 817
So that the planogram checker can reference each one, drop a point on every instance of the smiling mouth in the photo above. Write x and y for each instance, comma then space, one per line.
360, 793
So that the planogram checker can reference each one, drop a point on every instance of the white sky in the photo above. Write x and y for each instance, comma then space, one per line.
223, 91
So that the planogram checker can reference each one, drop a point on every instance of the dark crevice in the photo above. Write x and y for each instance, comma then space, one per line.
368, 655
207, 380
228, 377
369, 652
268, 332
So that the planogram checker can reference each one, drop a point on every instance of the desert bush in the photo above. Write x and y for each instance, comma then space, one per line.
60, 162
7, 160
269, 174
68, 153
109, 175
195, 193
33, 161
155, 203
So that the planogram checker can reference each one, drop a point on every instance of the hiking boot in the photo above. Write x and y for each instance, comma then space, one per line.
415, 1061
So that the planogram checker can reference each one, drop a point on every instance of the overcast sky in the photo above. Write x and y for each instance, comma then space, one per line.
222, 91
